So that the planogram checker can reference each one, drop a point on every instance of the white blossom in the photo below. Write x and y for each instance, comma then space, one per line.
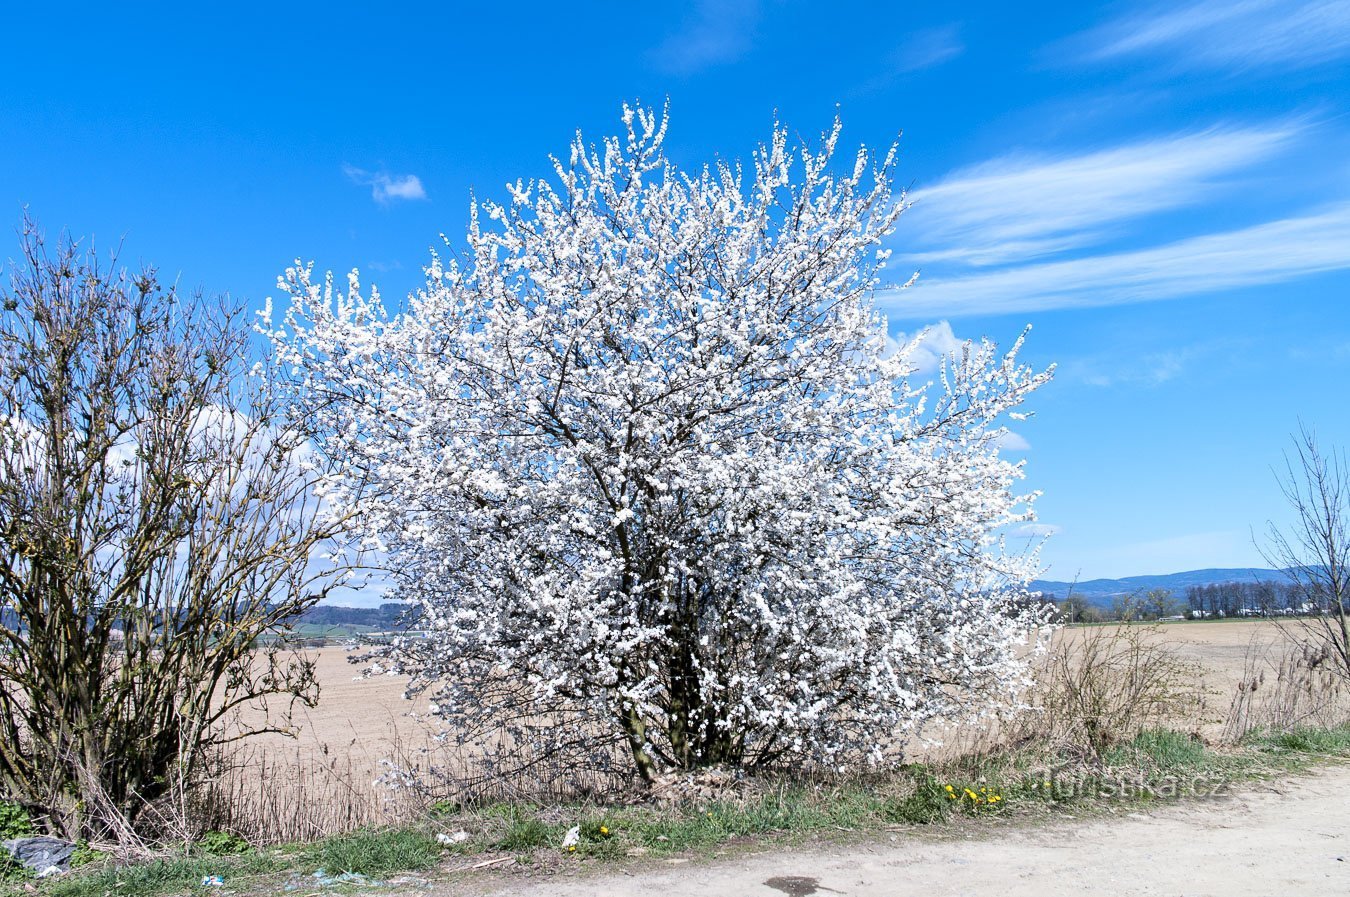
644, 460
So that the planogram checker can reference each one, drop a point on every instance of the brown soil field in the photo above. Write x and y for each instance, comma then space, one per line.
1219, 647
371, 713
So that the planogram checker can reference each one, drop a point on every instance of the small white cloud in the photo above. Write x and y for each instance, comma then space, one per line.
1034, 531
927, 346
385, 187
1009, 441
719, 32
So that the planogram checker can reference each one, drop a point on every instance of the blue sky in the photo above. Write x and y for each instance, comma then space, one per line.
1162, 191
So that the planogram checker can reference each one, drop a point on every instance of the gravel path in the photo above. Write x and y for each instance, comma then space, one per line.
1290, 838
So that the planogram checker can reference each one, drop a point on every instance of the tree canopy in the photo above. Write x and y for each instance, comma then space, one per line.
645, 459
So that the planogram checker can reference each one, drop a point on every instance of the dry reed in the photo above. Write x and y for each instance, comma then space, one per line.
1285, 686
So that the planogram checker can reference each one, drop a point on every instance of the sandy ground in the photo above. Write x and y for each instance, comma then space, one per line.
1283, 839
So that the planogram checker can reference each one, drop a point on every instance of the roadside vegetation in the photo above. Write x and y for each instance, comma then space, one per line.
1156, 766
1112, 727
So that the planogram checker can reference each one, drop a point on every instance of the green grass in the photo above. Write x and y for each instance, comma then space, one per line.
1305, 740
370, 853
163, 876
1162, 750
374, 852
523, 832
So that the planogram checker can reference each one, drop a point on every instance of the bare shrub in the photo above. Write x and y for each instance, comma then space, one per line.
156, 523
1314, 551
500, 766
1102, 685
272, 796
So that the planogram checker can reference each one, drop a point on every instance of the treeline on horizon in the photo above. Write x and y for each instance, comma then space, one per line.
1263, 598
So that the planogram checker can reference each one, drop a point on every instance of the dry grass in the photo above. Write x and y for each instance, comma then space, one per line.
366, 757
270, 797
1288, 686
1097, 686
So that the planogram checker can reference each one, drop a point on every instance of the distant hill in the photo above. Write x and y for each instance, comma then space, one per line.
1101, 591
1098, 592
383, 618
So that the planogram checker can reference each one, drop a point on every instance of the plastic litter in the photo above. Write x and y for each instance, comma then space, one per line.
572, 838
324, 880
41, 853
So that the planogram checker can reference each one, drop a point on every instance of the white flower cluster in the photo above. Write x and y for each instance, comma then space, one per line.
645, 462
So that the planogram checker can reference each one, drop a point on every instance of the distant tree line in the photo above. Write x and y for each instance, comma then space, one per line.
1152, 604
1251, 599
1269, 598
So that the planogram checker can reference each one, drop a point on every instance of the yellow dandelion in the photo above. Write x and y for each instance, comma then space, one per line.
604, 830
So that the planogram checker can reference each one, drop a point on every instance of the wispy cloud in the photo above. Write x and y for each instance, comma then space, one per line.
920, 50
1170, 554
927, 48
386, 187
1034, 531
1020, 207
718, 32
1148, 369
1266, 253
1230, 34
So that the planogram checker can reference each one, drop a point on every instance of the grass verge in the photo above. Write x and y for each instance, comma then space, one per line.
1156, 765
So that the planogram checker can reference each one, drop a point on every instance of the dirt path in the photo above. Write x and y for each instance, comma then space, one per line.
1292, 838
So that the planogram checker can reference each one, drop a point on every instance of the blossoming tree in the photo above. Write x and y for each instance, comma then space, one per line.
644, 461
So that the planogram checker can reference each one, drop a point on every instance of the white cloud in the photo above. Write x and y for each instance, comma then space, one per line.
1150, 369
385, 187
719, 32
1034, 531
1019, 207
1009, 441
1266, 253
1231, 34
927, 48
929, 346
